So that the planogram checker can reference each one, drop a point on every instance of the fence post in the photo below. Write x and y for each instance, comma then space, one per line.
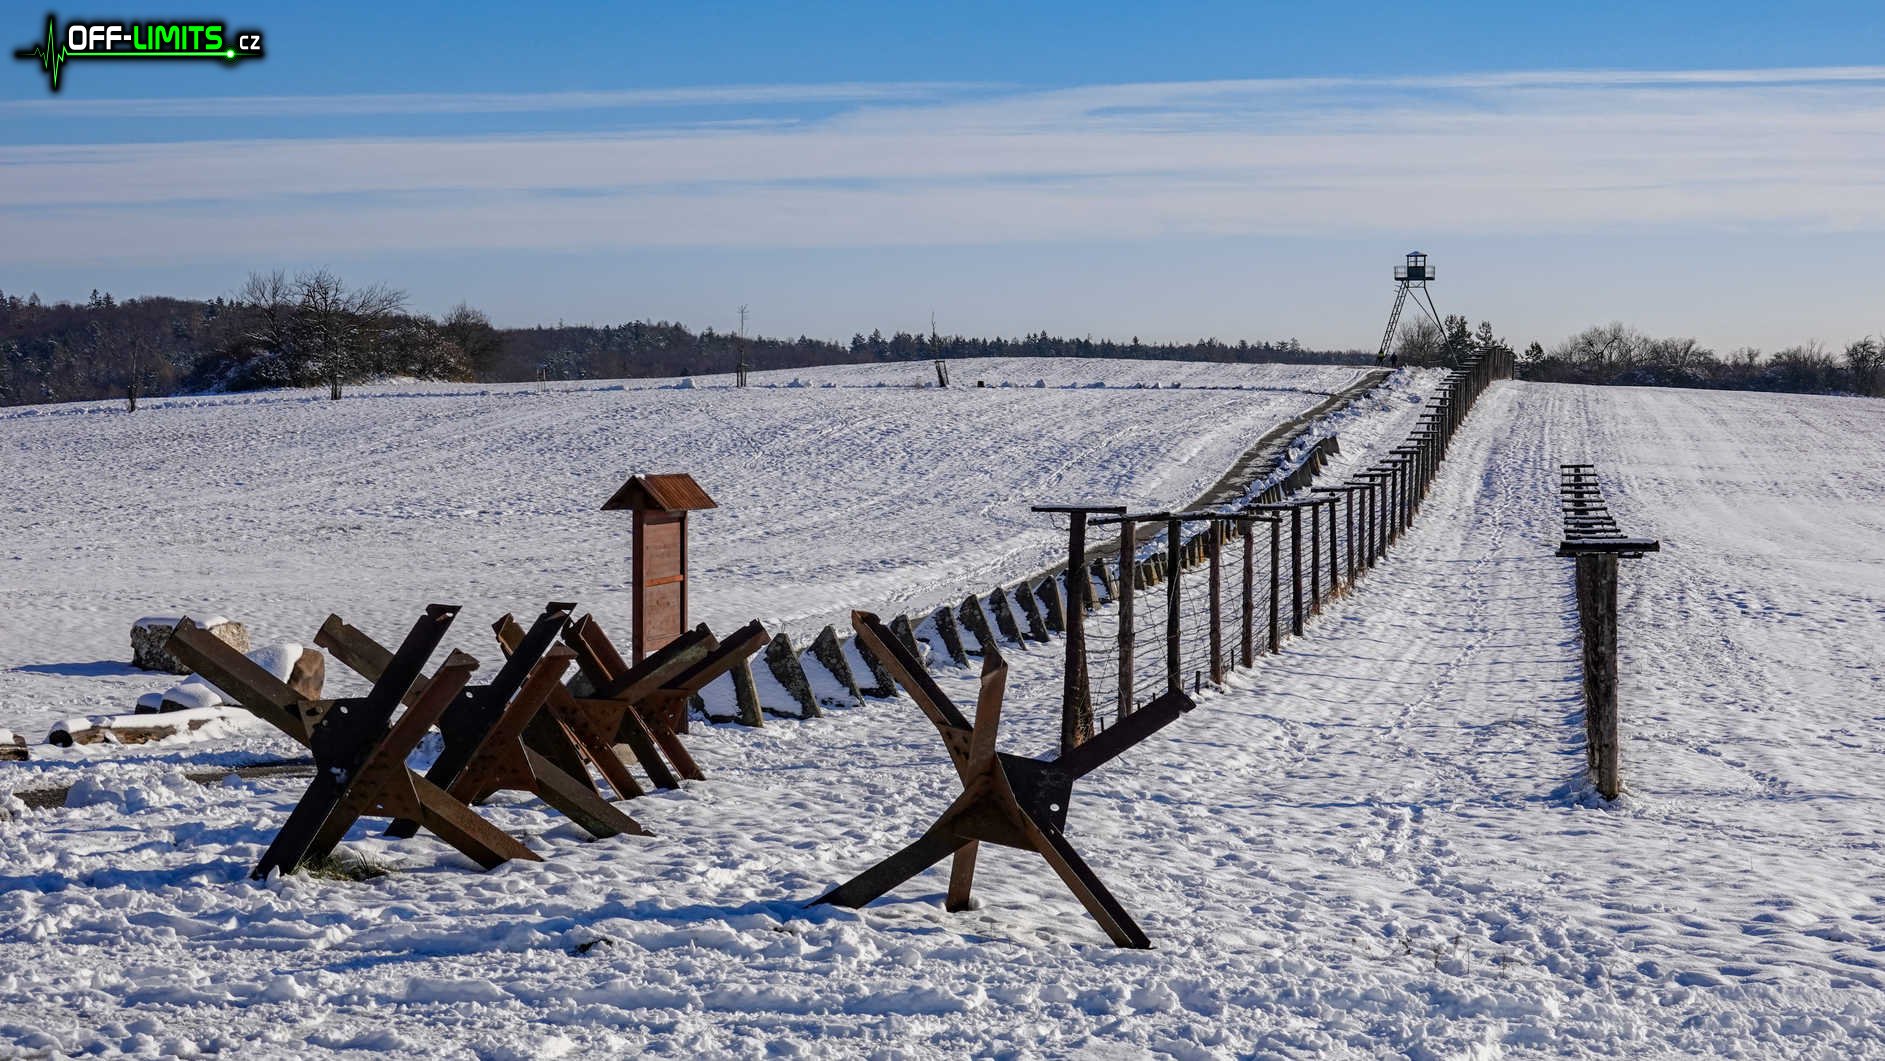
1295, 570
1213, 547
1374, 517
1430, 463
1408, 459
1384, 512
1335, 574
1128, 545
1405, 459
1076, 721
1404, 467
1600, 654
1174, 662
1429, 458
1396, 502
1248, 641
1315, 557
1348, 510
1276, 587
1076, 701
1376, 509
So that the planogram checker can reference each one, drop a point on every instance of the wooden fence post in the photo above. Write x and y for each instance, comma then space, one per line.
1315, 556
1398, 469
1076, 724
1213, 548
1248, 643
1370, 518
1335, 547
1276, 585
1174, 661
1295, 570
1404, 465
1396, 502
1076, 698
1348, 511
1128, 544
1601, 662
1384, 506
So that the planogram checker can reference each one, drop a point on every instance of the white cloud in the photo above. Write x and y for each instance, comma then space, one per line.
1507, 153
421, 103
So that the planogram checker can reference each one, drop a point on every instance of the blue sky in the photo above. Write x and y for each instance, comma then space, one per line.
1168, 171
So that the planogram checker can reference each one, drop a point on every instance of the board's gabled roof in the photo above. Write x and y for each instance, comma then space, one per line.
677, 492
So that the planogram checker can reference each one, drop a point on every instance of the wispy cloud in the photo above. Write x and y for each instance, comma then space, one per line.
421, 103
922, 164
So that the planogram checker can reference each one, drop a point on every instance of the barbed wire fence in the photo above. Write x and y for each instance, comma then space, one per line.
1178, 600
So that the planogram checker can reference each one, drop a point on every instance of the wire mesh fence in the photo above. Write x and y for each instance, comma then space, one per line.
1227, 592
1179, 600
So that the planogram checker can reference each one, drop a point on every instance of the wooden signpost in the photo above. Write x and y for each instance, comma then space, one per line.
660, 504
1006, 800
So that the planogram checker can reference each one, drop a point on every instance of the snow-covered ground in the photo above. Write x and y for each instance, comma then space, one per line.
852, 488
1378, 842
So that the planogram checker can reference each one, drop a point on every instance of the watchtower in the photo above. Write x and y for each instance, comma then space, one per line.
1413, 276
658, 571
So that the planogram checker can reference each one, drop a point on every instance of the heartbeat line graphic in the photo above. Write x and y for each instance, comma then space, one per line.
53, 54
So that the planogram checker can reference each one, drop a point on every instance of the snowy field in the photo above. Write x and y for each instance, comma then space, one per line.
1377, 843
855, 489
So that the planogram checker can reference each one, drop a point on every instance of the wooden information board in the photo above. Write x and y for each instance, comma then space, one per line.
659, 566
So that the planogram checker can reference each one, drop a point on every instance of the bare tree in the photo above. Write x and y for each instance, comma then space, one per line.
335, 326
264, 329
1602, 348
1806, 368
1865, 359
477, 341
269, 301
1419, 342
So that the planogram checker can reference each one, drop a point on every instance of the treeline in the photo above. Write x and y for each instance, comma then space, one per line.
313, 329
276, 331
1619, 355
663, 349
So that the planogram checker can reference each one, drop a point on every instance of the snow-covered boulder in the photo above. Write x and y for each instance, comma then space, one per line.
12, 746
303, 669
190, 695
149, 634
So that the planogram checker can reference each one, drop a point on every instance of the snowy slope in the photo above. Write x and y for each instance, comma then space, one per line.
1379, 842
860, 491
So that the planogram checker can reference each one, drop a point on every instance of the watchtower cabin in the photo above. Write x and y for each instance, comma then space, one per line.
1416, 270
658, 569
